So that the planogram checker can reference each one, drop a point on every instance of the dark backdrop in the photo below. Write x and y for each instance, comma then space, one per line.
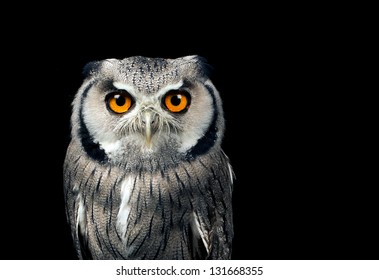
300, 191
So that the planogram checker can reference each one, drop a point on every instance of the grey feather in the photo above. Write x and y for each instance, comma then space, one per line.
151, 182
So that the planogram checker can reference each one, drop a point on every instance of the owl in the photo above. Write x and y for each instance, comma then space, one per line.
145, 176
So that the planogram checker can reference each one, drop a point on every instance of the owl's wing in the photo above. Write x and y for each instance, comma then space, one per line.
213, 219
74, 205
214, 232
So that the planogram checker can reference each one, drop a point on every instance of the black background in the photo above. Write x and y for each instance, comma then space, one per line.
302, 189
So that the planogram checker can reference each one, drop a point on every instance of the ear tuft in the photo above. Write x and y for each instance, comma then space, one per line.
90, 68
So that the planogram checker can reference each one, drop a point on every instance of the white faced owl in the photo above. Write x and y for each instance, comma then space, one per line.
145, 176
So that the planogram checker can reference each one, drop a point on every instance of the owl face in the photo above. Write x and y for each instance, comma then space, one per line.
148, 106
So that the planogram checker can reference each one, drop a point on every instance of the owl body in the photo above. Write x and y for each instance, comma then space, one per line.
144, 175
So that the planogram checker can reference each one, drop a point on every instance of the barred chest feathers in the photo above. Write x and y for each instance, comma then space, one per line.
152, 215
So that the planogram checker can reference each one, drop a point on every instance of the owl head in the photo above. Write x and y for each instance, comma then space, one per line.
148, 107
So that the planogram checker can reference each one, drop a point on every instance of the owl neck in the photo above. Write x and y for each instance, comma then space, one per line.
133, 158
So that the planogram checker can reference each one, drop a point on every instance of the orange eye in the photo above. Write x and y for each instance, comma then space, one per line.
177, 101
119, 101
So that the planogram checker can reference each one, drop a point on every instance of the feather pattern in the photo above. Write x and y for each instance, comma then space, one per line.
166, 211
169, 200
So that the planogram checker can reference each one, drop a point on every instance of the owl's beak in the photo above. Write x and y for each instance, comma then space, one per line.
148, 121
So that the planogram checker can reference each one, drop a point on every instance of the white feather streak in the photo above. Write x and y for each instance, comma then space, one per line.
169, 87
123, 86
124, 211
200, 232
231, 173
81, 218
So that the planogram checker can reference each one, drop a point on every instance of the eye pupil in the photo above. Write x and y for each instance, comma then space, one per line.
175, 100
120, 101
